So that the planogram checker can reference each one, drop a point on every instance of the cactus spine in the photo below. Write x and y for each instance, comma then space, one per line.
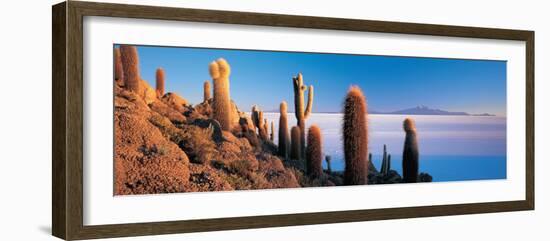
160, 77
284, 141
295, 143
130, 66
314, 152
206, 89
410, 152
355, 134
119, 73
220, 71
301, 114
327, 159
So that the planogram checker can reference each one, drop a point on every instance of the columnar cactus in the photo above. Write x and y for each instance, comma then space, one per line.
314, 152
301, 113
160, 77
119, 72
388, 167
410, 152
266, 129
259, 122
355, 134
328, 159
130, 66
220, 71
384, 161
272, 135
206, 90
295, 147
284, 140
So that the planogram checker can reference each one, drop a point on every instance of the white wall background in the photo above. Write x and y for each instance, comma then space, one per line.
25, 120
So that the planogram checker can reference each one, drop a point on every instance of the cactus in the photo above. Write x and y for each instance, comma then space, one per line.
220, 71
272, 135
388, 166
327, 159
259, 122
284, 141
250, 135
314, 152
355, 135
130, 66
119, 73
301, 114
206, 89
266, 129
160, 82
410, 152
295, 148
384, 161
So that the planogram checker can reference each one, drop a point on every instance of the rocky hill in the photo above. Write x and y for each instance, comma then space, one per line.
165, 145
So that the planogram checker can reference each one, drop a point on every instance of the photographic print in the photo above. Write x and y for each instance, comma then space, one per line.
192, 119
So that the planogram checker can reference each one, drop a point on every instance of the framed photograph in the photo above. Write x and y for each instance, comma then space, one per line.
171, 120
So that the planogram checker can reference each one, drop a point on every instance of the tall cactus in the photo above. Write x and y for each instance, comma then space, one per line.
284, 141
328, 159
295, 147
130, 66
272, 135
314, 152
301, 113
160, 77
266, 129
220, 71
355, 134
206, 90
410, 152
384, 161
119, 72
388, 167
259, 122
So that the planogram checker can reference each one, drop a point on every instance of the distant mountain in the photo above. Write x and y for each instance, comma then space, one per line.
419, 110
424, 110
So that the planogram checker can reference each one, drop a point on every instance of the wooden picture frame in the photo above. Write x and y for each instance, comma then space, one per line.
67, 124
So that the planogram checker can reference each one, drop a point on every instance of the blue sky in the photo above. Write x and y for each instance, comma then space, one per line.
389, 83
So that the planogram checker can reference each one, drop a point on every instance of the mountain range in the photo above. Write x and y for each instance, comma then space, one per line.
419, 110
424, 110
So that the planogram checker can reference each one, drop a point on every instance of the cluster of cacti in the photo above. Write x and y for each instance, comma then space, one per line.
410, 152
220, 71
284, 141
355, 135
301, 113
160, 78
130, 67
250, 135
259, 122
295, 143
119, 72
328, 159
386, 162
206, 90
314, 152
